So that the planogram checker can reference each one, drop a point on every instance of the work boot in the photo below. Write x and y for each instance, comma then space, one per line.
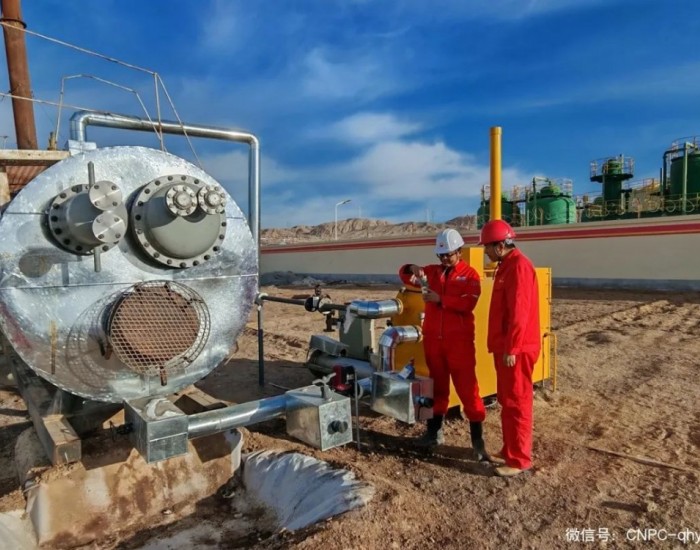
508, 471
477, 432
497, 458
433, 435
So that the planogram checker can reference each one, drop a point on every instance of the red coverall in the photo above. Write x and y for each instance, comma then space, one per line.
514, 329
448, 335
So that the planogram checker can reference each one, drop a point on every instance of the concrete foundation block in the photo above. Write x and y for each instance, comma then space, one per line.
113, 488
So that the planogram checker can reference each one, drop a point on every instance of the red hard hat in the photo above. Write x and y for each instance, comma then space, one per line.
496, 231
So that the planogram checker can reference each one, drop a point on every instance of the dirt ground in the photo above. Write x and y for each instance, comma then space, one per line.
616, 447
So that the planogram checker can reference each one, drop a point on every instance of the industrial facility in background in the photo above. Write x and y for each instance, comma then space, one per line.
548, 201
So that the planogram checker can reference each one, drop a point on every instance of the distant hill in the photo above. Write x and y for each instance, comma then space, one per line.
360, 228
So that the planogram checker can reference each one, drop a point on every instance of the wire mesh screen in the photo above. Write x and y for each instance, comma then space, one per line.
158, 327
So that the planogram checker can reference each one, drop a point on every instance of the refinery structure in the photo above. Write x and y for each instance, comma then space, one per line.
553, 202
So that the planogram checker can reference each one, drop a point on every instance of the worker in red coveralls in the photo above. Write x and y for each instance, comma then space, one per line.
514, 338
450, 290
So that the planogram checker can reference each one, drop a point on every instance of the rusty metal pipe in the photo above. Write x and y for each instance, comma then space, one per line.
18, 72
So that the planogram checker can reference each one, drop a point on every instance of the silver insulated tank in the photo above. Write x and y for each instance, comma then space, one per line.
126, 272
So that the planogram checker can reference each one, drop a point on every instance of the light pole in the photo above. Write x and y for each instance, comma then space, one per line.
335, 227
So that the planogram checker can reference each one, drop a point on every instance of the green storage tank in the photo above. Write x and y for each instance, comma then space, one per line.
693, 182
509, 212
550, 206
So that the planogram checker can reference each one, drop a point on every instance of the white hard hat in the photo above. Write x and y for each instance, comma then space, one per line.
448, 240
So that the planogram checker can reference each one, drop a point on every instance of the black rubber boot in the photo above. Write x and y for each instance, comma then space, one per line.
433, 435
477, 433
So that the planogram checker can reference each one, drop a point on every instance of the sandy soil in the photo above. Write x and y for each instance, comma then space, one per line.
617, 445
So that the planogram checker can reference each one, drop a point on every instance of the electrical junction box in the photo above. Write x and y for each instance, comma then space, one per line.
319, 417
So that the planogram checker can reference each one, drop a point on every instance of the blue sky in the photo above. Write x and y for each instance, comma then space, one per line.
384, 102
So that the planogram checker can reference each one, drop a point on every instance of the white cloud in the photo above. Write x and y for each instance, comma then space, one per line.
496, 9
231, 170
370, 128
667, 80
421, 171
650, 85
221, 27
235, 164
363, 76
523, 8
407, 176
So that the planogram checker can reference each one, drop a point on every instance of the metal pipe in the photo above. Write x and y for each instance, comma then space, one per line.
367, 309
363, 387
280, 300
391, 338
297, 302
356, 389
664, 167
80, 120
18, 72
262, 297
235, 416
495, 206
684, 192
261, 352
326, 363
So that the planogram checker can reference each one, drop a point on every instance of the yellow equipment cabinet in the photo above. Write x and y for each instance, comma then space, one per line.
485, 371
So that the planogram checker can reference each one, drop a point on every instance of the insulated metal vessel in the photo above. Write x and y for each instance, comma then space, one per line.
126, 272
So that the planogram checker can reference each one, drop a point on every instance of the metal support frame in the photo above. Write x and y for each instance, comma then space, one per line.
356, 391
315, 415
58, 438
312, 303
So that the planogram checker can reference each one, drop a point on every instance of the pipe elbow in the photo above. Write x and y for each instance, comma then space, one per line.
391, 338
367, 309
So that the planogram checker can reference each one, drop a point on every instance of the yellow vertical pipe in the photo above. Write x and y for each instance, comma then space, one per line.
495, 210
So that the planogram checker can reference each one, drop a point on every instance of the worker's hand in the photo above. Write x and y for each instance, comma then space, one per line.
430, 296
417, 271
508, 360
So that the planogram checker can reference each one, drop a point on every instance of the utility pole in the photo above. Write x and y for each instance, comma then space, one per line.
18, 71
